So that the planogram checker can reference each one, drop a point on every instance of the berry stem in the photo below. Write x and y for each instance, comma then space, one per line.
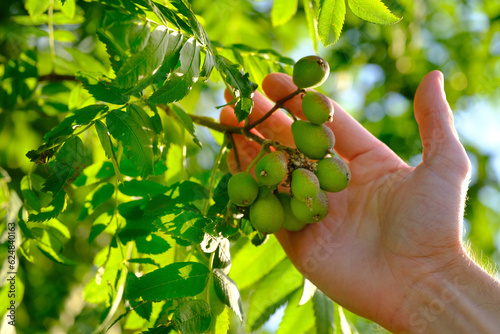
257, 158
277, 105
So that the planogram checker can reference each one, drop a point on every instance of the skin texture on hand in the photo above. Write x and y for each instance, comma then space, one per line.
395, 227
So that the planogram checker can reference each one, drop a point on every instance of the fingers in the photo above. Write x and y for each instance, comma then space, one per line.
441, 148
352, 139
247, 149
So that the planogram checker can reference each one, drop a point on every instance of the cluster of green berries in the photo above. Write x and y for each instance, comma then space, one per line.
309, 179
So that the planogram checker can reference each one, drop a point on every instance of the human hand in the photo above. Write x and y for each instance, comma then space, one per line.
395, 227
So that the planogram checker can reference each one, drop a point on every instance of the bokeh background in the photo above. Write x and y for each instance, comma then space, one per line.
375, 73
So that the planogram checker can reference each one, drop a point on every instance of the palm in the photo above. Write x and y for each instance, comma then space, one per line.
390, 218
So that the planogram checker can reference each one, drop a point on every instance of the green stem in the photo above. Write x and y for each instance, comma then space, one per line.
119, 294
51, 31
257, 158
213, 174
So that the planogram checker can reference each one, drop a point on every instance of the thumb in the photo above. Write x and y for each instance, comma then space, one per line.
442, 150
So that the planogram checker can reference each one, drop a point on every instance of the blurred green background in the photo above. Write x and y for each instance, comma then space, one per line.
375, 72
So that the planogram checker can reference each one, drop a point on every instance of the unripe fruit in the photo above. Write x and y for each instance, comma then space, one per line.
271, 169
266, 213
304, 185
242, 189
317, 108
310, 71
316, 212
313, 140
333, 174
291, 223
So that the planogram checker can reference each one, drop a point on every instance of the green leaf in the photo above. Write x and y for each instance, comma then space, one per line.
311, 22
242, 87
166, 15
99, 225
117, 55
124, 128
176, 280
37, 7
80, 117
144, 260
223, 322
185, 120
69, 159
272, 292
99, 86
187, 225
102, 133
222, 257
104, 193
46, 243
374, 11
143, 64
28, 194
144, 310
194, 24
323, 312
179, 84
192, 317
208, 66
297, 318
172, 90
159, 330
283, 11
331, 17
52, 211
146, 122
71, 153
138, 36
152, 244
227, 291
68, 8
252, 263
143, 188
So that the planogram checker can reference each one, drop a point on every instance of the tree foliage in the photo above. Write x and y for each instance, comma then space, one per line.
113, 166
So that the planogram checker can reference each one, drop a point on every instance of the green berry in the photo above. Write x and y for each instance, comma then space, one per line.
271, 169
313, 140
291, 223
317, 108
304, 185
312, 213
333, 174
266, 213
242, 189
310, 71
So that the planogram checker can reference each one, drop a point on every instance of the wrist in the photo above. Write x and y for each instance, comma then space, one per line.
459, 298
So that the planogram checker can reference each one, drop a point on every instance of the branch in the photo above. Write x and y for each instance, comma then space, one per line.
279, 104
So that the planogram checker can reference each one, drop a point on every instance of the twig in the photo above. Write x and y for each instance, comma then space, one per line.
277, 105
